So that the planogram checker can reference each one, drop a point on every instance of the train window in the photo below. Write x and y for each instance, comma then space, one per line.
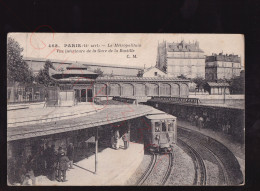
163, 126
170, 126
157, 126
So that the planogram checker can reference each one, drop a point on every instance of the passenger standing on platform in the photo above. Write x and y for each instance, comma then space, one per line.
41, 161
125, 138
53, 163
113, 139
70, 154
228, 127
21, 173
47, 154
196, 118
27, 181
29, 169
201, 122
58, 156
207, 122
63, 167
223, 125
117, 136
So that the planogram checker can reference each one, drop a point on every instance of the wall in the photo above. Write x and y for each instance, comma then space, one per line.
238, 97
130, 89
189, 67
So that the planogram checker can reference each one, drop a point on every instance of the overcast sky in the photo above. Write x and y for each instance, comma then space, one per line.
36, 45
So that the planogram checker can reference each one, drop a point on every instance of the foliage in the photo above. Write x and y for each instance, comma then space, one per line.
112, 74
182, 77
237, 85
99, 72
164, 68
140, 73
201, 82
17, 69
43, 75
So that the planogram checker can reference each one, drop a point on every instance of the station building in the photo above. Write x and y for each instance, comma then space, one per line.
86, 85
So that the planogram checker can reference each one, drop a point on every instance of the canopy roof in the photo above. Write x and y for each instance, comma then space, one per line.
72, 73
108, 115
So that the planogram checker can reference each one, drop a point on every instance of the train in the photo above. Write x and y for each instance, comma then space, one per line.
161, 136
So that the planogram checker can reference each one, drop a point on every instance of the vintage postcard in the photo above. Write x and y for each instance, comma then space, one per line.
93, 109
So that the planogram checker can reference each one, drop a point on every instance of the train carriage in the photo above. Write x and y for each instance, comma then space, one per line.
161, 134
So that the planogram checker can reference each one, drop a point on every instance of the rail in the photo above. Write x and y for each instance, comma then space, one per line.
126, 100
24, 102
227, 160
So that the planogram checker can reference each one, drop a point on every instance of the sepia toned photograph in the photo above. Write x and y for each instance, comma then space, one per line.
119, 109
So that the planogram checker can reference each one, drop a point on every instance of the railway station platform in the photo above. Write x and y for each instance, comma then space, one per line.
115, 167
236, 148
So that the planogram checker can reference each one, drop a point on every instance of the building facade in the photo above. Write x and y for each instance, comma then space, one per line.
222, 66
181, 59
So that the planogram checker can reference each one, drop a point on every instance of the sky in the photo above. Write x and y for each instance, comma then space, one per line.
37, 45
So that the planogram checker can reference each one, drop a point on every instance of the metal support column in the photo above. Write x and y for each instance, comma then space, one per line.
96, 150
159, 91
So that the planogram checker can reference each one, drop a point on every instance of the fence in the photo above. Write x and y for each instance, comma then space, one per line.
177, 99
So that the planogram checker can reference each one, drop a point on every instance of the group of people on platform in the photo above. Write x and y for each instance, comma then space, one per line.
210, 123
53, 163
116, 137
57, 163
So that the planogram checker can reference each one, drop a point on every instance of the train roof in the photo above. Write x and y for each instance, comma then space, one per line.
160, 116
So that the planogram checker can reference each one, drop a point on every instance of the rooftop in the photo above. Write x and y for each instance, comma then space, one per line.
81, 63
70, 121
117, 78
183, 47
223, 57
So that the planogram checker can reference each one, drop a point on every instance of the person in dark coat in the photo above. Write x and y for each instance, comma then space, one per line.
63, 167
53, 163
70, 154
47, 156
126, 138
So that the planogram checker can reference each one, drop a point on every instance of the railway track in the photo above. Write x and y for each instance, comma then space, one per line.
148, 170
228, 165
151, 170
169, 169
200, 168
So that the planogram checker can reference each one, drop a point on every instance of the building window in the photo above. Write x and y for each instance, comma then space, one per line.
155, 73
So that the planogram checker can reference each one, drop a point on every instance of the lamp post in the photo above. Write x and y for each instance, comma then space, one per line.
224, 94
96, 150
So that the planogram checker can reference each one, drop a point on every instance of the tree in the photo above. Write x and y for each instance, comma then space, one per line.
237, 85
43, 75
140, 73
201, 82
182, 77
99, 72
112, 74
17, 69
164, 68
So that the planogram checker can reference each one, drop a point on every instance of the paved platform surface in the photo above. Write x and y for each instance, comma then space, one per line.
115, 167
237, 148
